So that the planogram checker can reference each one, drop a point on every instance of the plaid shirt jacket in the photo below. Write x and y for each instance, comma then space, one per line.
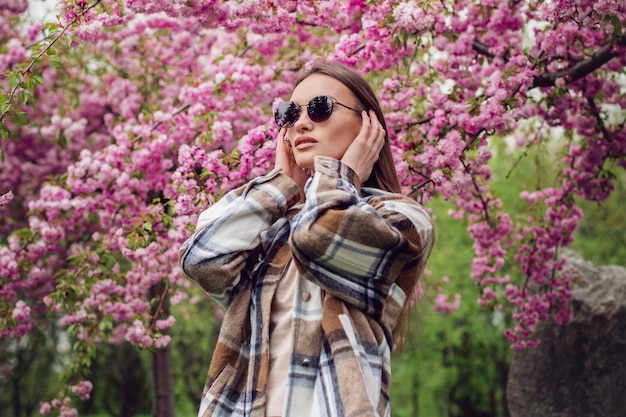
357, 256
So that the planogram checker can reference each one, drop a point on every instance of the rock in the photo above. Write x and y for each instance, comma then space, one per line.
578, 369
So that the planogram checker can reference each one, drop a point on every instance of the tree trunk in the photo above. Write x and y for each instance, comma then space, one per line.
162, 375
15, 377
163, 383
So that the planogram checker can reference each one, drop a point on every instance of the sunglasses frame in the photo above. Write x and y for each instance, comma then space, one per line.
310, 112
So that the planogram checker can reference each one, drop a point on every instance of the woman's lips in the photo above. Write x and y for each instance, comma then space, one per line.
304, 143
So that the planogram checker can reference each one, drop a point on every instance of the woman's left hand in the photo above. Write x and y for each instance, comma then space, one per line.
364, 150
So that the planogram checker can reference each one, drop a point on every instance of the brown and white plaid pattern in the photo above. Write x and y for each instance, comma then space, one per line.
357, 255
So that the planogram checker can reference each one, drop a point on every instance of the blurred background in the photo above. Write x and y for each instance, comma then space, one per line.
451, 365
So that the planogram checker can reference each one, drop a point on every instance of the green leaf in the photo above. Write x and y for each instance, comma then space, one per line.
617, 26
24, 234
14, 80
49, 26
62, 140
168, 221
19, 117
55, 62
30, 86
24, 96
5, 105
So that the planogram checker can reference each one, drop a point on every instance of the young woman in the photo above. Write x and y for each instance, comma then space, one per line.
314, 262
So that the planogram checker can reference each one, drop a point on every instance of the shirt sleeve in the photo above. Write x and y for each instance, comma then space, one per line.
355, 247
230, 230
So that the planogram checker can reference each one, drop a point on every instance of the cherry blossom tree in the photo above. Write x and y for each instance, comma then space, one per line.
122, 120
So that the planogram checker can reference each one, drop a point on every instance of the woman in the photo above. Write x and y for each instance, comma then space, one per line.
313, 262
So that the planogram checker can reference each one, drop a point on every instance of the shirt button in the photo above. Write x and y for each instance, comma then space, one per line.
306, 362
306, 296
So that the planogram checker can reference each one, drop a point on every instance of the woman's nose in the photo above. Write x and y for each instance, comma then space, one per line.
303, 122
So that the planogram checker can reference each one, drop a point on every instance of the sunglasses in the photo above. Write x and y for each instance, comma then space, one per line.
319, 110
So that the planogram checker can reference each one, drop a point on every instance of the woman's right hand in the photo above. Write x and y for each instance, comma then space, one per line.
286, 161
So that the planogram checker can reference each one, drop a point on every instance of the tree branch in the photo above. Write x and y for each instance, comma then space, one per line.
577, 71
177, 112
596, 113
415, 123
26, 70
583, 68
482, 48
479, 194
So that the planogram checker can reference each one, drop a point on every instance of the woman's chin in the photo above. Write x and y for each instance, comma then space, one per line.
305, 163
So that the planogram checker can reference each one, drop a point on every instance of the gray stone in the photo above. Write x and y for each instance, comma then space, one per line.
578, 369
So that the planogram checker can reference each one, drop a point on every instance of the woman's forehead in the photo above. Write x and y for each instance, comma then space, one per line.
320, 85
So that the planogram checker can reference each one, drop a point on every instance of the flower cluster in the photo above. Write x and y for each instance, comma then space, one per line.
161, 107
61, 406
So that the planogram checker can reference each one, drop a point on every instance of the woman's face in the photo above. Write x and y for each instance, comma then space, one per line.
328, 138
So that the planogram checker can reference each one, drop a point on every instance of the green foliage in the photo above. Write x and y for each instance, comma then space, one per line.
600, 237
458, 363
121, 382
455, 364
193, 339
36, 362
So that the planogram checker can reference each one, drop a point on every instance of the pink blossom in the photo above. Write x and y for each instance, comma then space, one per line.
82, 389
165, 324
5, 370
118, 164
6, 198
411, 17
444, 305
68, 412
222, 132
44, 408
162, 341
137, 335
21, 312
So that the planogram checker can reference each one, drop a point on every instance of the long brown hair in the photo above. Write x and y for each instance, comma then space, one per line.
384, 175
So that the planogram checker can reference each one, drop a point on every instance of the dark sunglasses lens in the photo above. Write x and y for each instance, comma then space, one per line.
286, 114
320, 108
